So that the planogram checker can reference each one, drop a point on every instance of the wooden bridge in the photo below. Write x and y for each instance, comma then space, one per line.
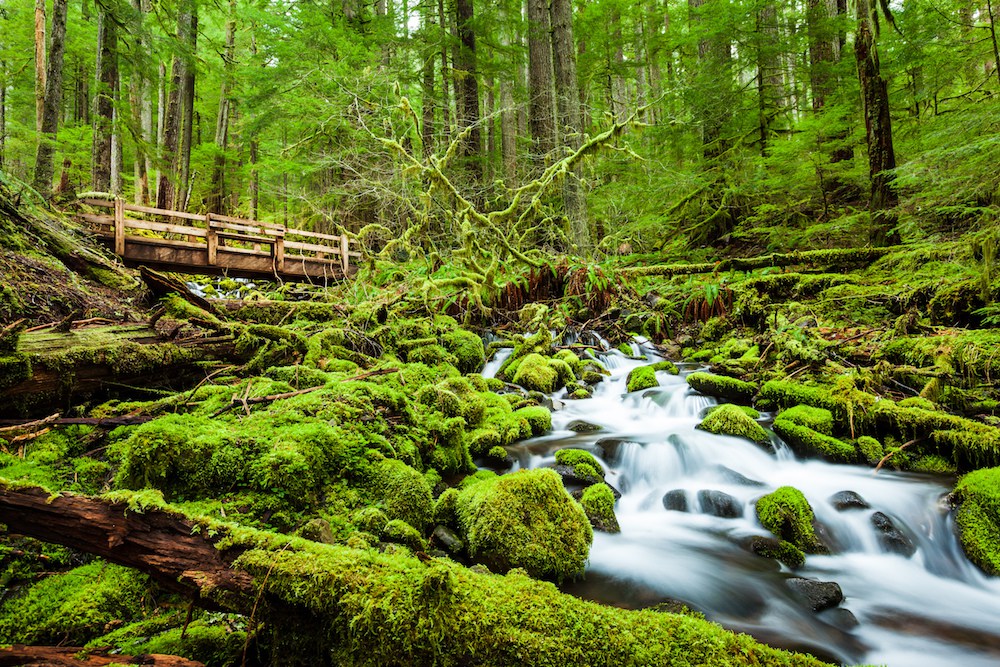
218, 244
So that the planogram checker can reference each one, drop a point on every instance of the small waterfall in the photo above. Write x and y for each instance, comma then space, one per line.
929, 608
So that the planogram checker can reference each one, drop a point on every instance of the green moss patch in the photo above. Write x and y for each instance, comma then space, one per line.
642, 377
808, 442
977, 496
728, 419
723, 387
787, 514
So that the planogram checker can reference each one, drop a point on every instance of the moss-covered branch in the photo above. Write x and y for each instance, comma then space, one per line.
837, 257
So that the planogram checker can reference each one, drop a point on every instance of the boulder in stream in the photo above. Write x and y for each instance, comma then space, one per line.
720, 504
720, 386
848, 500
599, 503
772, 547
891, 537
787, 514
818, 595
728, 419
580, 426
676, 500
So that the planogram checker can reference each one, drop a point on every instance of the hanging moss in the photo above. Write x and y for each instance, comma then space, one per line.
525, 520
723, 387
787, 514
728, 419
977, 496
808, 442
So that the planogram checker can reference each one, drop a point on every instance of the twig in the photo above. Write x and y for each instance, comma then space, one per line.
890, 454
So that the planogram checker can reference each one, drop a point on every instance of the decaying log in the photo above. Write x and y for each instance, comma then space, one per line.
839, 257
69, 656
18, 426
161, 285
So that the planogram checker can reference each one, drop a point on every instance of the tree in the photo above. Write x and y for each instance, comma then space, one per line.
104, 101
878, 127
53, 99
468, 101
540, 109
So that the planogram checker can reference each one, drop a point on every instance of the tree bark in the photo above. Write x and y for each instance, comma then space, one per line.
540, 74
189, 41
104, 100
217, 199
53, 100
770, 86
427, 83
140, 90
570, 130
468, 105
75, 656
40, 67
445, 99
878, 129
3, 115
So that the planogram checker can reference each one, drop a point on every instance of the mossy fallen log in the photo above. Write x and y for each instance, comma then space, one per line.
832, 258
364, 607
74, 656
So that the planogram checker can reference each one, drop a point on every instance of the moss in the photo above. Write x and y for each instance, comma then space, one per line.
917, 402
808, 442
403, 533
779, 550
535, 374
817, 419
14, 369
599, 504
564, 372
539, 419
467, 348
73, 606
748, 411
573, 457
977, 496
371, 520
525, 520
592, 377
870, 449
933, 464
723, 387
640, 378
787, 514
571, 359
402, 493
728, 419
446, 508
666, 366
215, 639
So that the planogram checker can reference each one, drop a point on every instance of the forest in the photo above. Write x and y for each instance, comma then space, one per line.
454, 332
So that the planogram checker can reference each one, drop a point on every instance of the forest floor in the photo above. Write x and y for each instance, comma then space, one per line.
314, 480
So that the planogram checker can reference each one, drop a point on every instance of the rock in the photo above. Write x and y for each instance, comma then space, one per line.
580, 426
848, 500
571, 478
728, 419
685, 340
676, 500
599, 503
447, 539
818, 595
840, 618
719, 504
609, 448
892, 538
318, 530
733, 477
772, 547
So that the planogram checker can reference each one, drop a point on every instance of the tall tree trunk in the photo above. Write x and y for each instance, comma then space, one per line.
166, 186
540, 75
3, 113
822, 42
427, 81
217, 199
508, 130
161, 125
991, 12
619, 104
568, 105
878, 128
142, 104
769, 77
714, 87
189, 39
40, 67
445, 76
104, 100
53, 100
468, 108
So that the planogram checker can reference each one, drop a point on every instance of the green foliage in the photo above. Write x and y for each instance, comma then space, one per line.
787, 514
729, 419
525, 520
978, 516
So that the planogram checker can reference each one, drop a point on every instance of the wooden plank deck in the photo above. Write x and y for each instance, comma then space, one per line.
213, 244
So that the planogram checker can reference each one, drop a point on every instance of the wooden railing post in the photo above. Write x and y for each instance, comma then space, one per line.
212, 235
345, 261
119, 227
279, 252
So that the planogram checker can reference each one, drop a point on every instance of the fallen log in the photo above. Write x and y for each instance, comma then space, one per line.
359, 606
69, 656
837, 257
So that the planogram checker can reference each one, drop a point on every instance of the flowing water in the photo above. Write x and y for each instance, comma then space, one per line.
932, 608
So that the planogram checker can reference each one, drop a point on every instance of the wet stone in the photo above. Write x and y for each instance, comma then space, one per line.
848, 500
580, 426
720, 504
892, 538
733, 477
840, 618
676, 500
447, 539
817, 595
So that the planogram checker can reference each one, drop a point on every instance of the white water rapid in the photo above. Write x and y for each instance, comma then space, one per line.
932, 608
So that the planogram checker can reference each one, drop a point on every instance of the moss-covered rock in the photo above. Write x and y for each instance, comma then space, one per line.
747, 410
787, 514
666, 367
977, 497
870, 449
402, 493
817, 419
808, 442
525, 520
723, 387
598, 502
467, 348
641, 377
535, 374
779, 550
728, 419
571, 359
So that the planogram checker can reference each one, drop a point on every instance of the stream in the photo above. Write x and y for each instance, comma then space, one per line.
932, 608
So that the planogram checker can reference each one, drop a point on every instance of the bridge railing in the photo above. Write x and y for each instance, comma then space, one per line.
211, 230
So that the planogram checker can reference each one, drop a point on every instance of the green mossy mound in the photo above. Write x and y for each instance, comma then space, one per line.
599, 504
214, 638
402, 493
534, 373
787, 514
807, 442
467, 348
666, 366
722, 387
525, 520
729, 419
640, 378
977, 496
817, 419
748, 411
73, 606
870, 449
